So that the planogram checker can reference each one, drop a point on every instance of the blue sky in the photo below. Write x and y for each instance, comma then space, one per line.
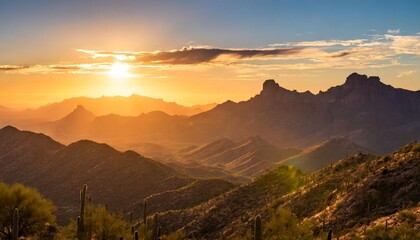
26, 25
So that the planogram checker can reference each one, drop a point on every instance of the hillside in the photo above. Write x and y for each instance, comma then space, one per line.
248, 157
346, 195
213, 219
118, 179
320, 155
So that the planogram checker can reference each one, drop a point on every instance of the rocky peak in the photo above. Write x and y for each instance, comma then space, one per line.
81, 111
270, 87
9, 129
356, 80
80, 108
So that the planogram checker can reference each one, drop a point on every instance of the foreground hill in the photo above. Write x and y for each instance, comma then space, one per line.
363, 110
248, 157
215, 218
323, 154
346, 195
118, 179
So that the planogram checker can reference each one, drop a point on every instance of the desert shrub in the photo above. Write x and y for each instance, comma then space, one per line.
284, 224
416, 147
407, 216
377, 233
405, 231
98, 222
34, 210
178, 235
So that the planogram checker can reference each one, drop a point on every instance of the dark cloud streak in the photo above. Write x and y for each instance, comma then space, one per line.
191, 55
12, 68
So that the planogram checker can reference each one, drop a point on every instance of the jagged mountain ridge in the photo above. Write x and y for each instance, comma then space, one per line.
363, 109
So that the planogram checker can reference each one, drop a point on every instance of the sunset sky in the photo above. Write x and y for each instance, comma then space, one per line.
197, 52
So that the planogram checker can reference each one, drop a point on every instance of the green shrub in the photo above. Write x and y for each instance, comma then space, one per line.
283, 224
34, 210
407, 216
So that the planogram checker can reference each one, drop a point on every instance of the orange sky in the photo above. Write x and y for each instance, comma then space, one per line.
199, 52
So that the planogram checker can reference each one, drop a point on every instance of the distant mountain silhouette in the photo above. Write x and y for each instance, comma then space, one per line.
133, 105
116, 178
125, 106
323, 154
248, 157
363, 110
78, 120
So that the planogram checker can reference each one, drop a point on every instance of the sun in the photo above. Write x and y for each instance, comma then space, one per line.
119, 70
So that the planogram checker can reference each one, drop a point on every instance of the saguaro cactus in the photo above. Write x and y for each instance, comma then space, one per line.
82, 206
155, 226
145, 213
81, 218
15, 230
329, 234
257, 228
78, 225
159, 232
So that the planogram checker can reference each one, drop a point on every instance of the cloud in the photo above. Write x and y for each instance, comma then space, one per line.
12, 67
374, 51
194, 55
404, 44
327, 43
393, 31
56, 68
405, 73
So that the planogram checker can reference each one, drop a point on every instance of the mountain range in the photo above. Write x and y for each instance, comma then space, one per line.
125, 106
119, 179
363, 110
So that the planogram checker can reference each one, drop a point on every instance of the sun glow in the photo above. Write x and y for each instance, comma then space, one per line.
119, 70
